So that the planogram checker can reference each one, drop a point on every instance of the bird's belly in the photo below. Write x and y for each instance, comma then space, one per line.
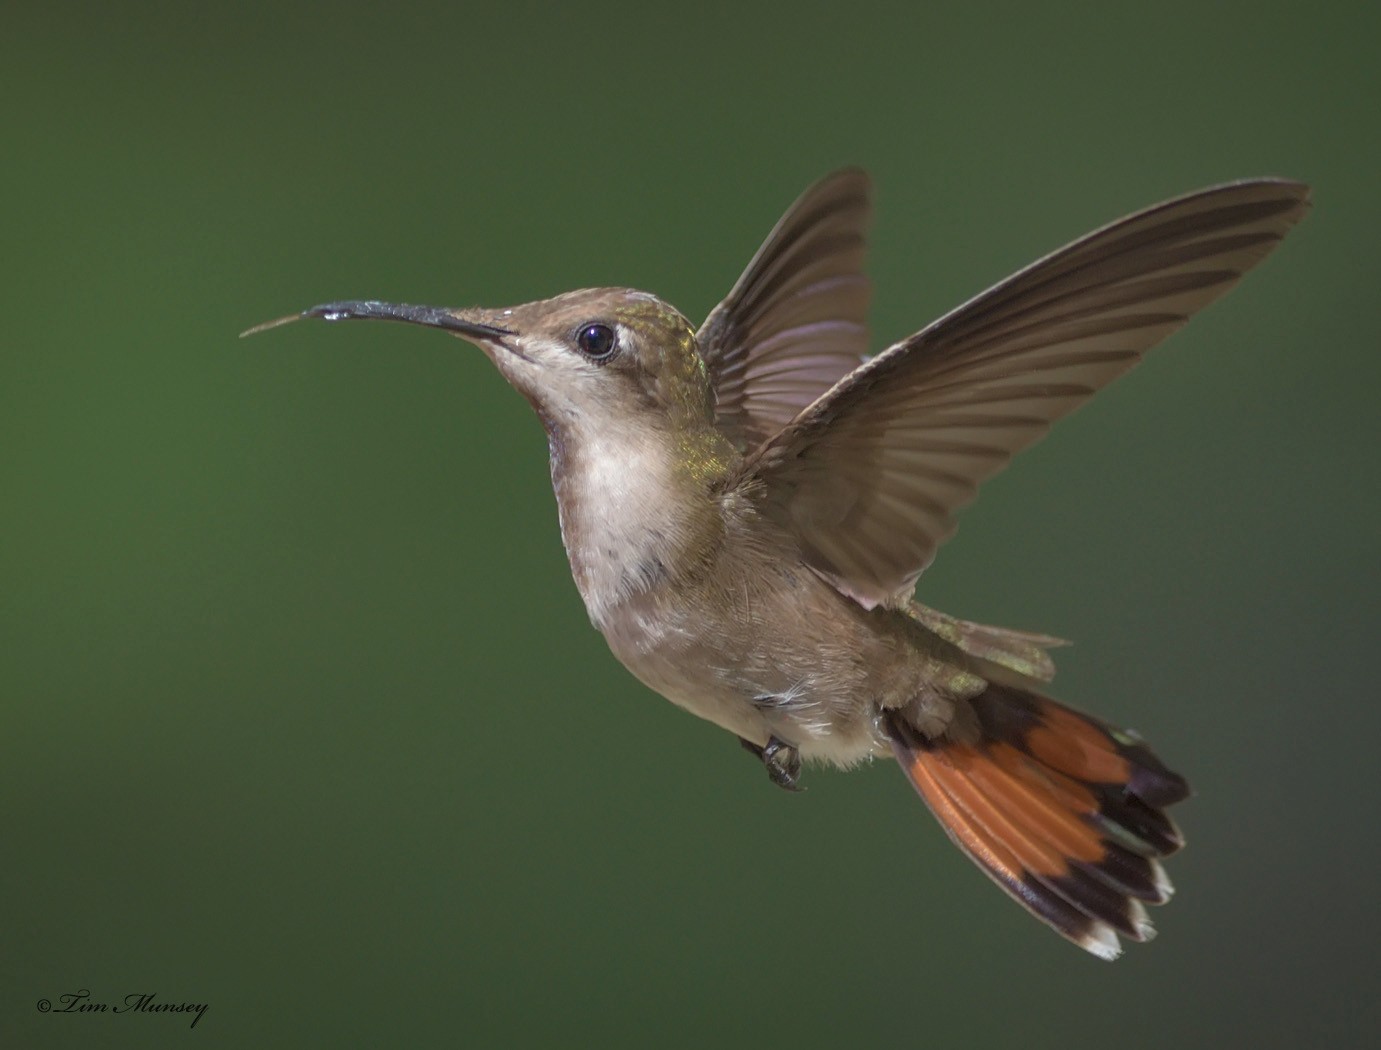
817, 682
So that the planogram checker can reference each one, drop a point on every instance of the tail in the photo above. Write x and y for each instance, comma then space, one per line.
1064, 812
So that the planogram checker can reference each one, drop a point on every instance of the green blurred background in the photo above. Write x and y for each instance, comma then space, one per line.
302, 714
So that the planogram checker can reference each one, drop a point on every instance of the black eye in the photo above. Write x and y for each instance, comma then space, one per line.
597, 342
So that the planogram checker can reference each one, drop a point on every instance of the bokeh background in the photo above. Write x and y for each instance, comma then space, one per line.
302, 716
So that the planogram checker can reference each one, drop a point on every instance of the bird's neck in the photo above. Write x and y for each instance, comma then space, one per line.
637, 504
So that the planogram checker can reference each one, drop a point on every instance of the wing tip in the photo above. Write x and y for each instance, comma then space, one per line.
854, 174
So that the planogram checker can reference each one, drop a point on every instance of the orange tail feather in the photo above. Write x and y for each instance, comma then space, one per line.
1063, 811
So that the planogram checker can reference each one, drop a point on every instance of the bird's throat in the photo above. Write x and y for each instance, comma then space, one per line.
638, 507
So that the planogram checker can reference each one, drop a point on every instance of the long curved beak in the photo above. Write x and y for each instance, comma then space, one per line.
369, 310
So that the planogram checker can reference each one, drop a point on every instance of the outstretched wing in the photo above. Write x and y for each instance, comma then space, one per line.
795, 323
870, 476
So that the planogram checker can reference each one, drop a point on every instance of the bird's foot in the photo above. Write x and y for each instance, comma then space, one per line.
782, 761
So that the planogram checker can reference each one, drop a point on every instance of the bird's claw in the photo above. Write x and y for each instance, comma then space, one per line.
782, 761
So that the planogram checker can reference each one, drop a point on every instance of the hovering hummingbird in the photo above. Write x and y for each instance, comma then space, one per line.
747, 507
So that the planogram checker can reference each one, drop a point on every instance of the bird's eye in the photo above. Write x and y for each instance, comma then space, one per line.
597, 342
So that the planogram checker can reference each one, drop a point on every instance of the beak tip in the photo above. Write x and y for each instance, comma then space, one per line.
325, 311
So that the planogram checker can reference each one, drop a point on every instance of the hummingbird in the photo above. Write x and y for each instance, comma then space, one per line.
747, 507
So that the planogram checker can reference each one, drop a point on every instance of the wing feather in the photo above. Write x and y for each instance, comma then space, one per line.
871, 475
796, 321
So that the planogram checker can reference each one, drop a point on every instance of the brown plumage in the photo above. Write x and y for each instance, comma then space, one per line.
747, 508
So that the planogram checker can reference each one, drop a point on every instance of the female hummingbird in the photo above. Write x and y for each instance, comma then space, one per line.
747, 507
